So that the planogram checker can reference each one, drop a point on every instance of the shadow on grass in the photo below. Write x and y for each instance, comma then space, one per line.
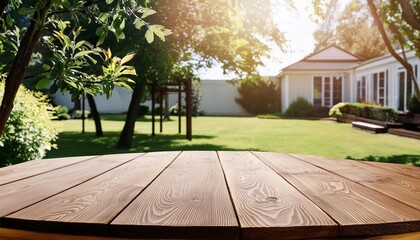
404, 159
77, 144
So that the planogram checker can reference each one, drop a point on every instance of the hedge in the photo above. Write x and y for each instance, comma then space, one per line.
369, 111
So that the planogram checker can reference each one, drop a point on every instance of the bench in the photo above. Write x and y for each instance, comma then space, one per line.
369, 127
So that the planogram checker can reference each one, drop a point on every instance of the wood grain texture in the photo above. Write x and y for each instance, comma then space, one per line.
97, 201
358, 209
412, 171
35, 167
17, 195
189, 199
398, 186
13, 234
268, 207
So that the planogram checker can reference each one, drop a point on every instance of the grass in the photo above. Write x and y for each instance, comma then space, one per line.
316, 137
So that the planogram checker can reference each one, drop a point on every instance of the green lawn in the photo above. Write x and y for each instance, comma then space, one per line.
317, 137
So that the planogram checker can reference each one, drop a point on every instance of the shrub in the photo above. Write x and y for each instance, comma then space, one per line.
77, 114
258, 95
369, 111
143, 110
413, 104
62, 113
300, 108
29, 131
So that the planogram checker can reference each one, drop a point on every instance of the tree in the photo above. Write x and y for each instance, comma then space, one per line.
258, 95
325, 35
110, 15
356, 31
352, 29
234, 33
402, 18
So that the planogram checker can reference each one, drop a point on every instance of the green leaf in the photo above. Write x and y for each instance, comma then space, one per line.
82, 53
99, 31
25, 10
121, 35
147, 12
124, 85
149, 35
129, 72
43, 83
9, 20
138, 23
91, 59
80, 43
103, 17
46, 67
122, 25
127, 58
109, 1
72, 84
159, 33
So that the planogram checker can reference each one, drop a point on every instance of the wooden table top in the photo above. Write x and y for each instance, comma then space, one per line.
208, 194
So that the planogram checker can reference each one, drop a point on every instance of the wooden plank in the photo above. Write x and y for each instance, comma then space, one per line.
404, 169
189, 200
96, 202
17, 195
267, 206
35, 167
369, 127
14, 234
398, 186
358, 209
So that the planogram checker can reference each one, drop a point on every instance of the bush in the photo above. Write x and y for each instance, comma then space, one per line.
413, 104
62, 113
300, 108
77, 114
369, 111
29, 131
143, 110
258, 95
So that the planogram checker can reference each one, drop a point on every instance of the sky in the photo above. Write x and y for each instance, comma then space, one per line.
298, 29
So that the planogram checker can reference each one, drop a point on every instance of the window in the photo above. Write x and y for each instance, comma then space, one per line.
327, 90
361, 89
405, 89
380, 88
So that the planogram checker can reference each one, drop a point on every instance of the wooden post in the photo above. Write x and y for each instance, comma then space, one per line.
161, 111
83, 112
188, 93
153, 109
179, 105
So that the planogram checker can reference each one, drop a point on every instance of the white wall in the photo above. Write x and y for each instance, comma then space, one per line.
118, 103
385, 64
219, 99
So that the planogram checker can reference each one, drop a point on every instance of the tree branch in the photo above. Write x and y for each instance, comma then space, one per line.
408, 14
388, 45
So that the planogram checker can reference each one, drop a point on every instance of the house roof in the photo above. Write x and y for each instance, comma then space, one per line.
330, 58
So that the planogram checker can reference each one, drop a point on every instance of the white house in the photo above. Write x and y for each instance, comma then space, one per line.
333, 75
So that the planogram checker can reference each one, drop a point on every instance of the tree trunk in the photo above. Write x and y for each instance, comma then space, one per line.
133, 111
406, 65
21, 62
95, 115
167, 110
408, 14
